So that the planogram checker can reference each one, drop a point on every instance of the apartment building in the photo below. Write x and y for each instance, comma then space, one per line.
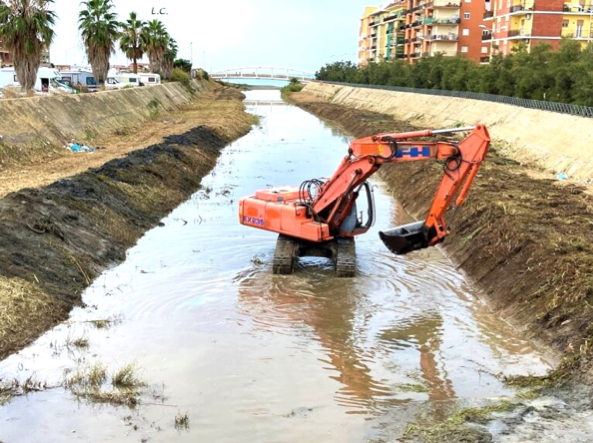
381, 34
449, 27
512, 22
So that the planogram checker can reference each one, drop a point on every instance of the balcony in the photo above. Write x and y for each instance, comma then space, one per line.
518, 33
447, 37
400, 56
417, 23
487, 36
446, 4
392, 17
428, 21
401, 27
443, 53
446, 21
488, 14
414, 55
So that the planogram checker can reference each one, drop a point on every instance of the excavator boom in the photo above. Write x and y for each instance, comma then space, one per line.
321, 212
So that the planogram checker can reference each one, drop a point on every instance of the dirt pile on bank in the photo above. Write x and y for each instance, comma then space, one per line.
56, 239
526, 242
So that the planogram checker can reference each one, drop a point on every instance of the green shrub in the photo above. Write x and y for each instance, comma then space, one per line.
291, 87
178, 75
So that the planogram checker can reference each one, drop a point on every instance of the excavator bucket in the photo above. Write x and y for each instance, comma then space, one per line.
405, 238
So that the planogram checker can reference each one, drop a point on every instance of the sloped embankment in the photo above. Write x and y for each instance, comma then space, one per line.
56, 239
527, 243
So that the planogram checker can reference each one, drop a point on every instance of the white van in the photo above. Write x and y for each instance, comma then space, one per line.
150, 79
8, 78
128, 79
48, 80
79, 77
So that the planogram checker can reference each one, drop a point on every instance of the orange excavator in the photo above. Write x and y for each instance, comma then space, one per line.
319, 218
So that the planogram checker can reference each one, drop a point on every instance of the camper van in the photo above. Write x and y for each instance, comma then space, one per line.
126, 78
8, 78
150, 79
48, 80
79, 77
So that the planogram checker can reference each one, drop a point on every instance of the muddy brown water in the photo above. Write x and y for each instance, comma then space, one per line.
255, 357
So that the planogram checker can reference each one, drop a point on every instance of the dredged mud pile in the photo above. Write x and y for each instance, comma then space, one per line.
526, 242
56, 239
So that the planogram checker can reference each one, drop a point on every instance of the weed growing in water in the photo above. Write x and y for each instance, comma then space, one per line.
182, 421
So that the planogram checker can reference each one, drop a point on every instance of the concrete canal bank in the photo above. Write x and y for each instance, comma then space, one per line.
552, 141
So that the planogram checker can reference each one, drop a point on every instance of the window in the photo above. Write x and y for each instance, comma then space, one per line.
132, 80
465, 32
484, 49
90, 81
464, 49
565, 23
151, 79
466, 15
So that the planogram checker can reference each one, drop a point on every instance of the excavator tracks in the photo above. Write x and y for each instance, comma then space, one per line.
341, 251
345, 258
285, 255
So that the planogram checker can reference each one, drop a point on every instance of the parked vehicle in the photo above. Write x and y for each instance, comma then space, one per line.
48, 80
79, 77
150, 79
127, 78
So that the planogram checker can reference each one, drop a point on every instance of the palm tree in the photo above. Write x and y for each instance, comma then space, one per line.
99, 29
168, 58
130, 42
155, 40
26, 30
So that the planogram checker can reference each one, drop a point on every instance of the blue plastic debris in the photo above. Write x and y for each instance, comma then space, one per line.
562, 176
75, 147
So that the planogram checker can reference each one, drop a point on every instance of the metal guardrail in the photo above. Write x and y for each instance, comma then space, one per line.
561, 108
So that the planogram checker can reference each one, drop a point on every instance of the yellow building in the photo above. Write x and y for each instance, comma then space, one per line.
381, 31
513, 22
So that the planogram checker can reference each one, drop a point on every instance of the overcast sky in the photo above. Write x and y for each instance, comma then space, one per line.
300, 34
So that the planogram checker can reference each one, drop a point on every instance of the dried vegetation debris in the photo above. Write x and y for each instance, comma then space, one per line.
527, 242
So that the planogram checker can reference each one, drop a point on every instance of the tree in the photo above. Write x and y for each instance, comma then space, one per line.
169, 58
184, 64
130, 42
26, 30
99, 29
155, 41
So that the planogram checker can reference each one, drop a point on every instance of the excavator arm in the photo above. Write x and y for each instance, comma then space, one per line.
461, 161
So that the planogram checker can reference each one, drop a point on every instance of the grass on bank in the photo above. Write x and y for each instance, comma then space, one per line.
293, 86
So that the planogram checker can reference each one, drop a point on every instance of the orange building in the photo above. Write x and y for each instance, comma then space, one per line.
449, 27
512, 22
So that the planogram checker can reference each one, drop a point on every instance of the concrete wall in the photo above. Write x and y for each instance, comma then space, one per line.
554, 142
56, 119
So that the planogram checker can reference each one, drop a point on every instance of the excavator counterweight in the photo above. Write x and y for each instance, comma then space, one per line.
320, 218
